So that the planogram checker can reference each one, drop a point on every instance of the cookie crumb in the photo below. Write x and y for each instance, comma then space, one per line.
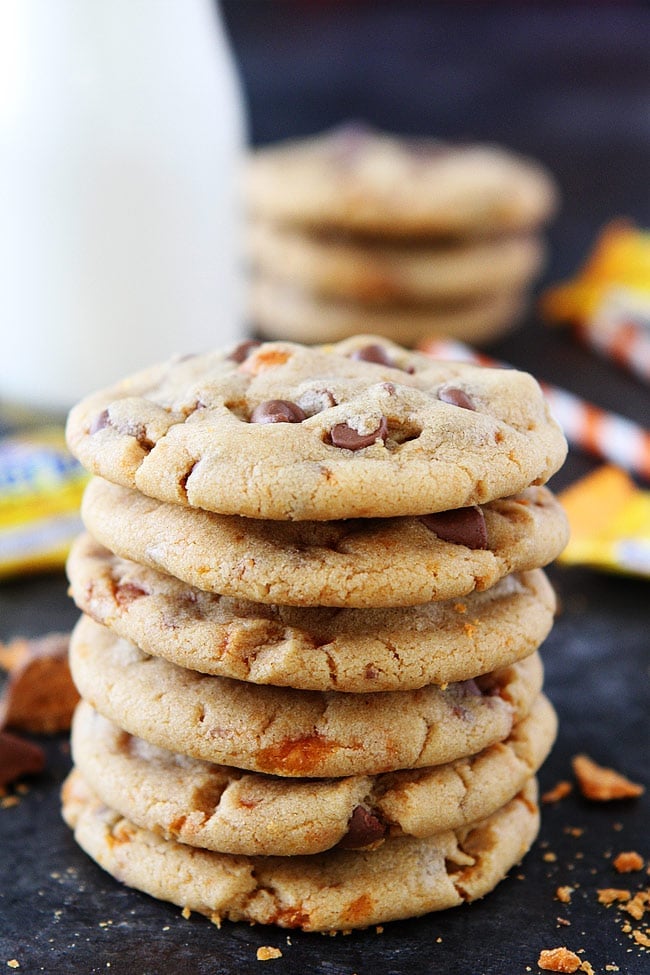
608, 895
628, 861
638, 905
586, 967
9, 801
186, 913
641, 938
13, 963
602, 784
558, 960
612, 968
564, 894
558, 792
549, 857
563, 922
266, 952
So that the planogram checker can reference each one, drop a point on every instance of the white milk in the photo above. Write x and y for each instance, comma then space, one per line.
121, 137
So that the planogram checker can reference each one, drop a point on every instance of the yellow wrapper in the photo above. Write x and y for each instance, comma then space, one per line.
40, 493
610, 523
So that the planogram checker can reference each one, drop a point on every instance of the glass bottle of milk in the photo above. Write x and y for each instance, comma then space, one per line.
121, 138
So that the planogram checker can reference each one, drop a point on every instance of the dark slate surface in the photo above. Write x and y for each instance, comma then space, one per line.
568, 84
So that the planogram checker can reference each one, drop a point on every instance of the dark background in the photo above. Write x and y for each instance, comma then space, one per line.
570, 85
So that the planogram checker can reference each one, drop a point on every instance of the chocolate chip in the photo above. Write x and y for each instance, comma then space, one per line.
100, 421
343, 435
373, 353
364, 829
455, 397
18, 757
461, 526
277, 411
378, 354
243, 350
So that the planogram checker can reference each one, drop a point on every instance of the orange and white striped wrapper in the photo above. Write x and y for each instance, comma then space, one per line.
606, 435
620, 330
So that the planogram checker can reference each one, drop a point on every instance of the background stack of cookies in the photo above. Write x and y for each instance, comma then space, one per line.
358, 231
312, 603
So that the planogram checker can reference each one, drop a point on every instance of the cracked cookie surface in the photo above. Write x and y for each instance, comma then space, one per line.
312, 648
337, 890
354, 562
370, 430
287, 732
224, 809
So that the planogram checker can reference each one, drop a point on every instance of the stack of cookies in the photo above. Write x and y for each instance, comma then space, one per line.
313, 598
356, 230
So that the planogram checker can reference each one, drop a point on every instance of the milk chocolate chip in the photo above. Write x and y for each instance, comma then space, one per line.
343, 435
456, 397
462, 526
373, 353
277, 411
364, 829
377, 353
243, 350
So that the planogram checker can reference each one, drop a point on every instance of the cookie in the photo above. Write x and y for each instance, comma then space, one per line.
363, 181
338, 890
313, 648
336, 563
282, 310
224, 809
288, 732
377, 272
319, 433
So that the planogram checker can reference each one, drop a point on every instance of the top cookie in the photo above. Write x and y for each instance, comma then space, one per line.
283, 431
362, 181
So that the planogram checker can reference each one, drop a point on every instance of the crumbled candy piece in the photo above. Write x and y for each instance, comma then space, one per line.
39, 695
558, 960
609, 895
628, 861
602, 784
559, 791
267, 952
564, 894
18, 758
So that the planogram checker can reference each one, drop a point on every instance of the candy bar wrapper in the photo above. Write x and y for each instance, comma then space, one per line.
619, 259
608, 300
40, 494
610, 523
